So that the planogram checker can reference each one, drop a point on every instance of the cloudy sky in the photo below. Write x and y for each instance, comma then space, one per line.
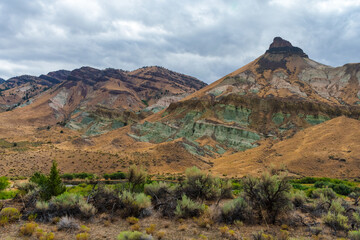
204, 38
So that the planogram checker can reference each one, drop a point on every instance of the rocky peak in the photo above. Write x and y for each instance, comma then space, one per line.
279, 42
281, 46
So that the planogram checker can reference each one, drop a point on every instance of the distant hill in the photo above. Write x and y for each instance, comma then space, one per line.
93, 100
19, 90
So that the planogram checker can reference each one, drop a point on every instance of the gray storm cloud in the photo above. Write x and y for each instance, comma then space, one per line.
206, 39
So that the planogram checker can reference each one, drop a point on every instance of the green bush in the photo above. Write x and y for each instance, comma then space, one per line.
199, 185
8, 194
298, 198
51, 185
355, 195
66, 204
269, 193
67, 176
328, 193
313, 180
66, 200
188, 208
115, 176
11, 214
4, 183
299, 186
336, 221
237, 209
159, 190
38, 178
335, 217
354, 235
134, 204
128, 235
82, 189
83, 175
340, 188
27, 186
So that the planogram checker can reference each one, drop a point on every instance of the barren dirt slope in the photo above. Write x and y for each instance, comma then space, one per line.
328, 149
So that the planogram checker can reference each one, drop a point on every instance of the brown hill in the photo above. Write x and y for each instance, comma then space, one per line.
325, 150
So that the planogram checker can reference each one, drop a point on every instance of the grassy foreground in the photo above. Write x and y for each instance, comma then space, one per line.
196, 205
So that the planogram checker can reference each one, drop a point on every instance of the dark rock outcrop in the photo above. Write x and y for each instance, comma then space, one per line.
281, 46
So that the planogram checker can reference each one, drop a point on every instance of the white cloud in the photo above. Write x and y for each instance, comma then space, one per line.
206, 38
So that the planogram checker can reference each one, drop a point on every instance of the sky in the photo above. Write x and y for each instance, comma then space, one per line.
206, 39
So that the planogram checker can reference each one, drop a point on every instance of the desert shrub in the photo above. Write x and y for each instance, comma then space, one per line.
10, 214
151, 229
160, 235
136, 176
356, 219
224, 189
328, 193
28, 229
298, 198
199, 185
83, 236
127, 235
335, 218
135, 227
336, 221
261, 236
66, 204
66, 200
105, 199
67, 176
336, 207
27, 186
237, 209
354, 235
132, 220
134, 204
159, 190
268, 193
67, 223
87, 210
188, 208
355, 196
164, 196
4, 183
42, 206
72, 204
